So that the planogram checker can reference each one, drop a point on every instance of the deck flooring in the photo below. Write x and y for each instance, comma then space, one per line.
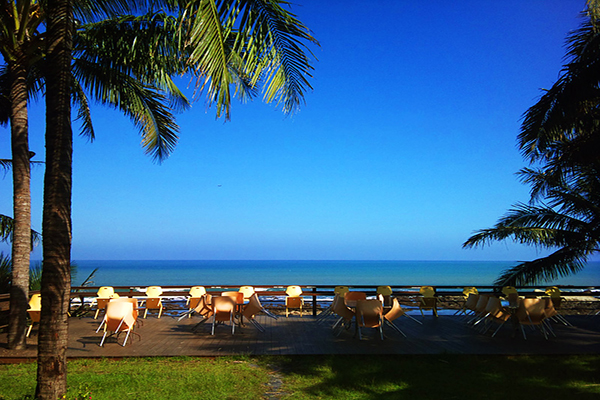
302, 336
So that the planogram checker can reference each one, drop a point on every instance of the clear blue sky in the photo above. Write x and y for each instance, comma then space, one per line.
404, 148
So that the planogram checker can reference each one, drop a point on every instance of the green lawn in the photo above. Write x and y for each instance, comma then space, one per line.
322, 377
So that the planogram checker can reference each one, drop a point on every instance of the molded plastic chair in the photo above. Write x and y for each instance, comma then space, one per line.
196, 293
369, 314
131, 300
34, 311
337, 291
120, 317
396, 312
467, 290
532, 312
248, 291
556, 298
480, 308
343, 312
293, 299
352, 298
224, 310
428, 301
386, 293
254, 307
493, 312
105, 293
153, 300
204, 309
470, 304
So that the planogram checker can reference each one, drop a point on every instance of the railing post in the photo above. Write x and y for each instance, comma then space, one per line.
314, 302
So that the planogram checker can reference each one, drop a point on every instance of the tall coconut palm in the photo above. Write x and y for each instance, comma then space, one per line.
230, 43
22, 43
560, 136
149, 106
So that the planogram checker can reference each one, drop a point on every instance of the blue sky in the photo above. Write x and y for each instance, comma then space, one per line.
404, 148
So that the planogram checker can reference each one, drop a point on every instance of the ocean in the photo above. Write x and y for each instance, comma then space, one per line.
272, 272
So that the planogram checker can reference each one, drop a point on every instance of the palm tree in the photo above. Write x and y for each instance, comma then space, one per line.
560, 135
568, 221
113, 84
229, 43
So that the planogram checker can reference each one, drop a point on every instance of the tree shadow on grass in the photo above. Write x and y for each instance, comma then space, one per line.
442, 377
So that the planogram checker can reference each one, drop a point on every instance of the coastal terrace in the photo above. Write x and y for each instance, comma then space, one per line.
449, 333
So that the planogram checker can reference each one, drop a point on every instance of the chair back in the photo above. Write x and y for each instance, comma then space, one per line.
384, 290
107, 292
153, 291
223, 307
247, 291
197, 291
386, 293
482, 303
553, 291
427, 291
253, 307
339, 307
355, 296
128, 300
493, 306
369, 313
238, 297
468, 290
395, 312
471, 303
506, 290
341, 290
119, 316
531, 311
203, 308
293, 291
550, 310
35, 303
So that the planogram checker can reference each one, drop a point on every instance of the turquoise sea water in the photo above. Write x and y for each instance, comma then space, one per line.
353, 273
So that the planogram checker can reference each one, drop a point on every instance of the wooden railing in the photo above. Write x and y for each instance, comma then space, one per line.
316, 293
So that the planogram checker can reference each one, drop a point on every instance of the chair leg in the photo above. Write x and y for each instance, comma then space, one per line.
29, 330
497, 329
523, 332
414, 319
160, 311
126, 337
394, 327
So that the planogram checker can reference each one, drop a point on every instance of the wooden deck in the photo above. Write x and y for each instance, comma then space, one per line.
302, 336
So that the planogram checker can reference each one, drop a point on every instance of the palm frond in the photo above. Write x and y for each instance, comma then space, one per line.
560, 114
561, 263
208, 44
142, 103
285, 65
6, 231
84, 115
6, 228
142, 46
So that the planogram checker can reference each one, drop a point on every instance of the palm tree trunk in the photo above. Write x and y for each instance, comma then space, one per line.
21, 244
56, 223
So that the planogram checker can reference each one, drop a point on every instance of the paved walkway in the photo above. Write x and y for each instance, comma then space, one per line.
447, 334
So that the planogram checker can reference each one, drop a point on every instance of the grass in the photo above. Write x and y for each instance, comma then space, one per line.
322, 377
